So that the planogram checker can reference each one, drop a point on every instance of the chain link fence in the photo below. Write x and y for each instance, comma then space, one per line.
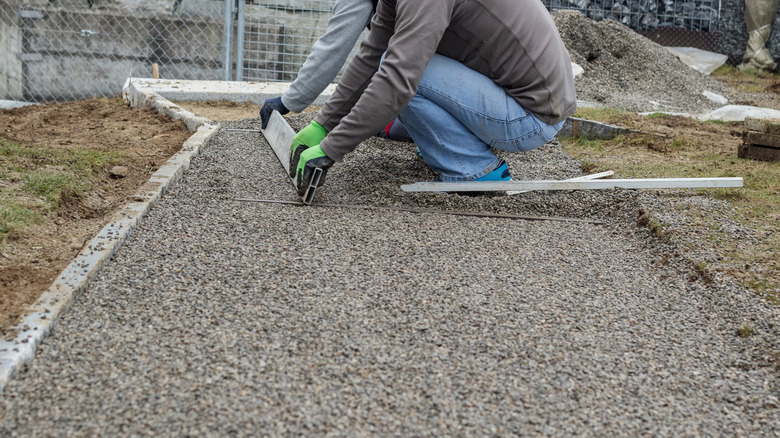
275, 52
648, 14
59, 50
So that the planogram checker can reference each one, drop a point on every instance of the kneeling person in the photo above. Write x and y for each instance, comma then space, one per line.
464, 77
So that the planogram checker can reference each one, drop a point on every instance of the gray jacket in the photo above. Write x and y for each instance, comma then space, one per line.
329, 53
514, 42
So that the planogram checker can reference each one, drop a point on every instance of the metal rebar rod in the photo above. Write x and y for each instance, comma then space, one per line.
424, 211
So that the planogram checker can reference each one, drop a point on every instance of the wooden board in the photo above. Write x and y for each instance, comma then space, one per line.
638, 183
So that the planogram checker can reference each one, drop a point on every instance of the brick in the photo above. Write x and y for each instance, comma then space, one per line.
763, 125
755, 152
762, 139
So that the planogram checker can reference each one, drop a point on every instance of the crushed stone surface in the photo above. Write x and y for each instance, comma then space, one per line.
222, 317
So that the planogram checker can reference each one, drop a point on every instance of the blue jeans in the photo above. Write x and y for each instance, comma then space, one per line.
459, 115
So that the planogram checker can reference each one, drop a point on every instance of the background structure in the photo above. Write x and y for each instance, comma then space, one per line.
59, 50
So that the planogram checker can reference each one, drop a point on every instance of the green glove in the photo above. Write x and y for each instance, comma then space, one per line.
311, 135
304, 161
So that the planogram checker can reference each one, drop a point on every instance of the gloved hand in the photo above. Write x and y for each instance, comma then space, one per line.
268, 107
311, 135
304, 161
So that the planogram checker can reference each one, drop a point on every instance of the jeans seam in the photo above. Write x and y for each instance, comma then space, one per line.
459, 105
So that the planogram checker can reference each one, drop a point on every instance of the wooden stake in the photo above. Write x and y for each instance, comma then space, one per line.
155, 71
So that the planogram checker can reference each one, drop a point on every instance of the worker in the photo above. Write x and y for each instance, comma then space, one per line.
463, 76
322, 65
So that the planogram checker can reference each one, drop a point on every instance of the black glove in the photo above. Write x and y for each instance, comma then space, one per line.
268, 107
303, 162
396, 130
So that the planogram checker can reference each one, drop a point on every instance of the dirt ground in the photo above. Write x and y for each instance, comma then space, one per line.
222, 110
31, 260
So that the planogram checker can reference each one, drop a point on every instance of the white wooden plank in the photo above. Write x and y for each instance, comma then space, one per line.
579, 178
638, 183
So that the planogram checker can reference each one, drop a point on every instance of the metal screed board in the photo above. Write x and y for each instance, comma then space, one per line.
280, 136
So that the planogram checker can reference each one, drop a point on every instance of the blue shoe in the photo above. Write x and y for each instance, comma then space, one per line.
500, 173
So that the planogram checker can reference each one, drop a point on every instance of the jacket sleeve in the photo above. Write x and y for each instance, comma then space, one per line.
368, 97
329, 53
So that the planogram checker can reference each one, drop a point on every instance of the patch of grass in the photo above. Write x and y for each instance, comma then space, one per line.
654, 142
752, 88
657, 228
763, 287
746, 331
747, 81
604, 115
589, 166
640, 140
48, 185
657, 116
35, 177
703, 271
680, 143
585, 142
14, 217
81, 162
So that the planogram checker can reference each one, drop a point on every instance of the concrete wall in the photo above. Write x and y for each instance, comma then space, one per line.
77, 54
11, 76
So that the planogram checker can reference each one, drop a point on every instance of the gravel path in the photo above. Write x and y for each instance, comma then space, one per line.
222, 318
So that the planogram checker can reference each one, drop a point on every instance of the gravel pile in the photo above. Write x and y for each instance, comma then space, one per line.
221, 317
626, 70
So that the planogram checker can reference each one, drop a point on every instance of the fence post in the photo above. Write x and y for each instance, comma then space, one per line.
240, 41
227, 41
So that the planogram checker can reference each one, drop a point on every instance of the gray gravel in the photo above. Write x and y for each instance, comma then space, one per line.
626, 70
232, 318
